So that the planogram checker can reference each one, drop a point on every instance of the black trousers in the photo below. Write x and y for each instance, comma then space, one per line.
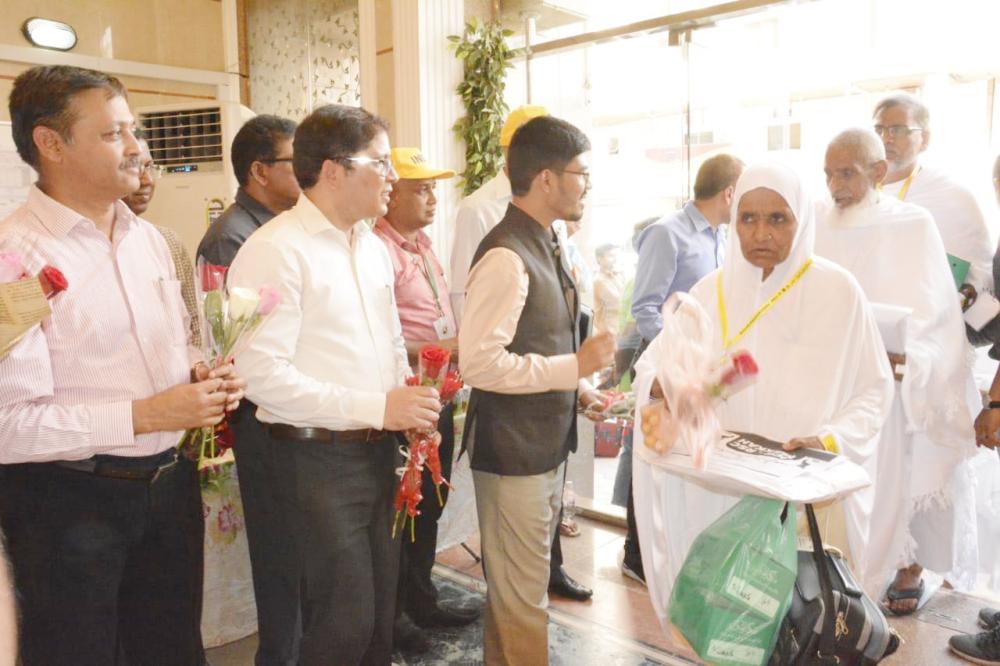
274, 560
337, 498
107, 570
417, 594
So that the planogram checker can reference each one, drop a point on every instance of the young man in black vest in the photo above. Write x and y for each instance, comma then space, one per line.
519, 349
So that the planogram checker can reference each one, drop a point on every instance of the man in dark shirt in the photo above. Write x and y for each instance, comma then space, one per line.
262, 160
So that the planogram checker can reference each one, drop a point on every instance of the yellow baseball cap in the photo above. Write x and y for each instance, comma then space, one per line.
409, 163
518, 117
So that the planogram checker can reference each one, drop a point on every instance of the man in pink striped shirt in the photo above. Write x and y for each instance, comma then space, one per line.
104, 524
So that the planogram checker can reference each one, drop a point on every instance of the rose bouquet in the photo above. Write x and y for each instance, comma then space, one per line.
422, 444
23, 298
231, 315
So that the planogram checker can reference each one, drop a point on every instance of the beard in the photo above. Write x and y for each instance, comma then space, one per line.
855, 214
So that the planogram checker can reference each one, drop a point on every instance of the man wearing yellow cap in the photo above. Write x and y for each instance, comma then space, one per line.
426, 317
482, 210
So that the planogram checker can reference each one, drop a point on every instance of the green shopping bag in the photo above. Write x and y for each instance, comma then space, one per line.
736, 583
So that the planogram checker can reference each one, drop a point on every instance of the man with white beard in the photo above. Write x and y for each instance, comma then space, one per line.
895, 251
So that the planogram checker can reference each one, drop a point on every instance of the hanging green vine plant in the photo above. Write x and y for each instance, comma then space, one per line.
485, 59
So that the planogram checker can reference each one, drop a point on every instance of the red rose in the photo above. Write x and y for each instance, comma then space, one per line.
52, 280
451, 385
744, 363
212, 276
413, 380
433, 360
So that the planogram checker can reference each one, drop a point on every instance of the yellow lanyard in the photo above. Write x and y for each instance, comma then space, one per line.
901, 195
723, 320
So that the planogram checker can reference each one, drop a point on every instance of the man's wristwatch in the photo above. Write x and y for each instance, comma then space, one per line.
994, 404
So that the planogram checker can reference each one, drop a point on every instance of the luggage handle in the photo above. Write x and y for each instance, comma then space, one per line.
827, 638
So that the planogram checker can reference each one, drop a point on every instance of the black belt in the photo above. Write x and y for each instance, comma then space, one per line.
144, 468
288, 432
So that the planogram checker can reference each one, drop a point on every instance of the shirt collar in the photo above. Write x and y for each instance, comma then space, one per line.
257, 210
315, 222
60, 219
698, 220
388, 231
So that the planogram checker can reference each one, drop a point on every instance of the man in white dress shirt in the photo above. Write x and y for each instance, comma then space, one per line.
326, 370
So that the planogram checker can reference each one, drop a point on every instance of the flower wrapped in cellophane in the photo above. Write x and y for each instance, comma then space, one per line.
24, 298
230, 316
422, 447
690, 383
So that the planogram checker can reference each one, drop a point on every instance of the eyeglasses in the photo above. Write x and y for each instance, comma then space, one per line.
278, 159
585, 174
383, 165
896, 131
154, 170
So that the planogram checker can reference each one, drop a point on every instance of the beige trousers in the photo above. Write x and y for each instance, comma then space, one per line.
518, 517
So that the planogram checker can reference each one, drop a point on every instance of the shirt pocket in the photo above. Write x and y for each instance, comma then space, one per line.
174, 313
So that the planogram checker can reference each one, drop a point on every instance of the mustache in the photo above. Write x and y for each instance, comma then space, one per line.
131, 163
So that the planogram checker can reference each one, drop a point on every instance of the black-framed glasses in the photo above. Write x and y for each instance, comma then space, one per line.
383, 165
896, 131
278, 159
585, 174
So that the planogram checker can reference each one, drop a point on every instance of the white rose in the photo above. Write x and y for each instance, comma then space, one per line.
243, 303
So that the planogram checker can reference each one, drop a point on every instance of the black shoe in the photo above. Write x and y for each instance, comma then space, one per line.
989, 617
983, 648
562, 585
632, 568
407, 637
444, 615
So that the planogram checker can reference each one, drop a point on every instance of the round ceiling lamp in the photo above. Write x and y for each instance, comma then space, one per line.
49, 34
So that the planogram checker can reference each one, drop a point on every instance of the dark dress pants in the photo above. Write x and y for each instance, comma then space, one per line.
338, 498
107, 570
417, 594
273, 559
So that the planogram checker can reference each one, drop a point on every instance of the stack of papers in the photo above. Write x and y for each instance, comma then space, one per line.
753, 465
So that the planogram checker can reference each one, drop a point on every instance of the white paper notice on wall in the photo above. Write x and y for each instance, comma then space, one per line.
16, 177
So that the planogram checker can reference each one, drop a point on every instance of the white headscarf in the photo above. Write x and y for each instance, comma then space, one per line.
742, 285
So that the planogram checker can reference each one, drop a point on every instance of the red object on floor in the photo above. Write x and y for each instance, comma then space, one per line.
608, 438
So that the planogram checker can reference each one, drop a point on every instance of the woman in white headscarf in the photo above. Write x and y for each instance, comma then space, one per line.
824, 378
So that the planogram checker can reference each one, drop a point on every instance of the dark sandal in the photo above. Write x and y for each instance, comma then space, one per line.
893, 594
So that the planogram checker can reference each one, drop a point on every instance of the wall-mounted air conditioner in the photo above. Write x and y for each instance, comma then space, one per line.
191, 143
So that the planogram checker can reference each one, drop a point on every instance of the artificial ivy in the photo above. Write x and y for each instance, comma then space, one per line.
485, 57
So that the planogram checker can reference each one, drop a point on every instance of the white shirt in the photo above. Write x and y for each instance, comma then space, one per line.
959, 219
333, 348
477, 214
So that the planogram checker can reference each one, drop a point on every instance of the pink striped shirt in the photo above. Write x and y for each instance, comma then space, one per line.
418, 306
116, 335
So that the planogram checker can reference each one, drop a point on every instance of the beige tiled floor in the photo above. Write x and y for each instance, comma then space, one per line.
622, 606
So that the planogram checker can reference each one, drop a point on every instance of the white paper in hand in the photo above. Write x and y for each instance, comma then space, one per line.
893, 321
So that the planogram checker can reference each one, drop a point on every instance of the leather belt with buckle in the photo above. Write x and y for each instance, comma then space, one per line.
117, 467
288, 432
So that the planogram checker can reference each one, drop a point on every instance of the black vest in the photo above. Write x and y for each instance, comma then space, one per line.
532, 433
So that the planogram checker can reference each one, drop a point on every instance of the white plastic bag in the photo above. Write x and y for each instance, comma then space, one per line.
684, 421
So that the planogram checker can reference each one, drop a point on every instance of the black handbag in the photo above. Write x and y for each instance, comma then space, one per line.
857, 633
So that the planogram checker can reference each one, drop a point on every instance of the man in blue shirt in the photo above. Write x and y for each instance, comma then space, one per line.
674, 253
683, 247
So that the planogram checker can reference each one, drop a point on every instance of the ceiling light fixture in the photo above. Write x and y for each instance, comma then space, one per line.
49, 34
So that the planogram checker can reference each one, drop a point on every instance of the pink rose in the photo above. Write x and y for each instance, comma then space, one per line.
270, 298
